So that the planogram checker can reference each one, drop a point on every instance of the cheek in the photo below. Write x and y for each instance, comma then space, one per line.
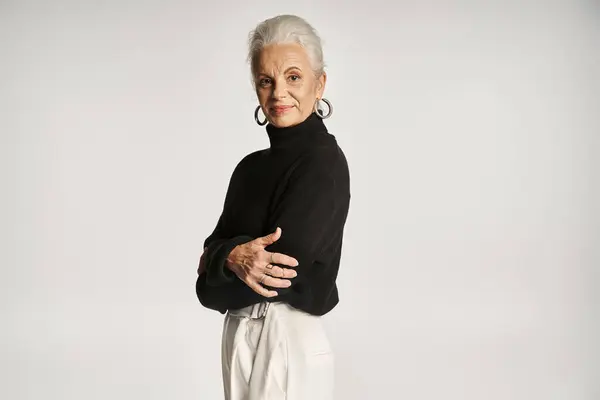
304, 96
262, 96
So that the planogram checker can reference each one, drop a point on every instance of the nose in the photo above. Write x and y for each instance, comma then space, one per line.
279, 89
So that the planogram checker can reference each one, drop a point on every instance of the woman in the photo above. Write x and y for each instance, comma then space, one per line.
272, 260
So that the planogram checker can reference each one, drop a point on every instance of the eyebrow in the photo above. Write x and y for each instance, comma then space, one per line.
288, 69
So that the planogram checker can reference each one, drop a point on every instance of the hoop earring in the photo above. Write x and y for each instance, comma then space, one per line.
319, 111
261, 123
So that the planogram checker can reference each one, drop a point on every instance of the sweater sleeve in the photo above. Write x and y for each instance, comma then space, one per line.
311, 212
213, 284
217, 272
219, 245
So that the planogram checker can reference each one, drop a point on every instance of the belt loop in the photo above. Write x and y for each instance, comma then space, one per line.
260, 310
266, 308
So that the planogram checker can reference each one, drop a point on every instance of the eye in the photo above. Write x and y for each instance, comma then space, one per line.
263, 82
294, 78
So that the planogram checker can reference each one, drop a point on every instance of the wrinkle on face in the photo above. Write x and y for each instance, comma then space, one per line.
284, 77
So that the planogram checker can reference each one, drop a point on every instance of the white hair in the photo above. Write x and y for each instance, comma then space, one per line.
286, 29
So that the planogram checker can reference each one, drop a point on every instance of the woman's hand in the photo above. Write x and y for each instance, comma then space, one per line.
255, 266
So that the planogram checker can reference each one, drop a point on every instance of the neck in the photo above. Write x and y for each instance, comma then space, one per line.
296, 135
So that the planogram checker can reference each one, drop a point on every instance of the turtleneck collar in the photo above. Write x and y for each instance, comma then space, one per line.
296, 135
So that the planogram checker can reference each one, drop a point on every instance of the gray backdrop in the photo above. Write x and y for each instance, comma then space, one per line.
471, 252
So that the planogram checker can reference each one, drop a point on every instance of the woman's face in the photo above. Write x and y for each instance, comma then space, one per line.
286, 86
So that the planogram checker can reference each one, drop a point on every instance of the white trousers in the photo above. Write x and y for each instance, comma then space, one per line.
272, 351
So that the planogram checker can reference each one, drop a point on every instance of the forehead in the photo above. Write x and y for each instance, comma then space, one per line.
278, 57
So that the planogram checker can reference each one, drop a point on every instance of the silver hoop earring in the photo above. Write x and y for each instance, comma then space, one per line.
319, 110
261, 123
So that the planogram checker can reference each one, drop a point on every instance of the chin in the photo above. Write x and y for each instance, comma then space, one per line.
285, 120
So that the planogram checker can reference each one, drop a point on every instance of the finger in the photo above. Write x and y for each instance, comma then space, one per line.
260, 289
282, 259
276, 282
279, 272
289, 273
270, 238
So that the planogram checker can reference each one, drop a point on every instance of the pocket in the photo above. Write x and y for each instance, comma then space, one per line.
307, 332
319, 340
319, 376
319, 344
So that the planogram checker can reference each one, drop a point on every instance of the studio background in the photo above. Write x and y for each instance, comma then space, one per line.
470, 263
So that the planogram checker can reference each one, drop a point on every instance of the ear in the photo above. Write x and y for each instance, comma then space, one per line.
321, 81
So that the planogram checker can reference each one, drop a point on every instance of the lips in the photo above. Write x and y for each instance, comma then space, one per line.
281, 109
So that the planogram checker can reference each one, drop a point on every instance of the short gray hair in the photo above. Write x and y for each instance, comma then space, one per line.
286, 29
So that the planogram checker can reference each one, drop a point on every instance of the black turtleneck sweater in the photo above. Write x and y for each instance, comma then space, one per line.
301, 184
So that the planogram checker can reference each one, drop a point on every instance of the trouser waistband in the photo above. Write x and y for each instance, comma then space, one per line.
254, 311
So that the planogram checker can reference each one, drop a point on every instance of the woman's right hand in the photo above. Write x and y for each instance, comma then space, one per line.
255, 266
